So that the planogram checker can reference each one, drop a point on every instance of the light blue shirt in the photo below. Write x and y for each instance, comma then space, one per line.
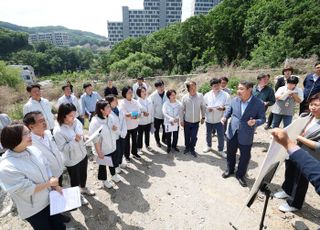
244, 105
88, 102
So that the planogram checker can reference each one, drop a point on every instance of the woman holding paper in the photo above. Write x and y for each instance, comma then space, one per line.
286, 99
70, 141
296, 184
146, 118
105, 145
26, 175
130, 107
119, 121
172, 110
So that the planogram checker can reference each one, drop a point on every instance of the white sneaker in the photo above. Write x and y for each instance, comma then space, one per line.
118, 170
107, 184
87, 191
140, 152
281, 195
222, 154
116, 178
123, 165
285, 207
207, 149
84, 201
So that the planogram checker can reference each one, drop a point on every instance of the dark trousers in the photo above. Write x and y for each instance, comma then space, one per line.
270, 118
133, 134
146, 130
295, 185
78, 173
190, 134
120, 150
102, 170
43, 220
245, 154
157, 124
174, 142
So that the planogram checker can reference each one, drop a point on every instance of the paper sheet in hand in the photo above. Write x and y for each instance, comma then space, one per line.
107, 160
171, 128
62, 203
96, 133
276, 153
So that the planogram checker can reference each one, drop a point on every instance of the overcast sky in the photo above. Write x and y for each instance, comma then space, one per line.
87, 15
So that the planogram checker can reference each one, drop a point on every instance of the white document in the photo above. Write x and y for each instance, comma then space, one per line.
276, 153
70, 199
171, 128
96, 133
107, 160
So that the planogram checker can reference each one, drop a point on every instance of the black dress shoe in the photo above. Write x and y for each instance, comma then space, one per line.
227, 174
136, 156
242, 181
168, 150
65, 218
186, 151
176, 149
128, 159
158, 144
194, 154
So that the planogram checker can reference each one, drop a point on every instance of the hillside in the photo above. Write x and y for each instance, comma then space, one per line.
78, 37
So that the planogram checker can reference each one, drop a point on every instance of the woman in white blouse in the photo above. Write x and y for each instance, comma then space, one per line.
172, 111
131, 109
105, 145
70, 141
146, 118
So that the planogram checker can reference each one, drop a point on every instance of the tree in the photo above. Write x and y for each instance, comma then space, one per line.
9, 76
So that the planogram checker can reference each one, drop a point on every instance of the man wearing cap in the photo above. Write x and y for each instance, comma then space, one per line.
88, 100
311, 86
264, 92
140, 82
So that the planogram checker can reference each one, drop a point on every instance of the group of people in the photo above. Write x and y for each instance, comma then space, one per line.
41, 147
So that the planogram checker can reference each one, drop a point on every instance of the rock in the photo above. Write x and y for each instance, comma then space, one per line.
6, 204
299, 225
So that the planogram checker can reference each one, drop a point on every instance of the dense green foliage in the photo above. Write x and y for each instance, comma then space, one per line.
77, 37
9, 76
239, 32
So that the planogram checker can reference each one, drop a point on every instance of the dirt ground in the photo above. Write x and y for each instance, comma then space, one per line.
177, 191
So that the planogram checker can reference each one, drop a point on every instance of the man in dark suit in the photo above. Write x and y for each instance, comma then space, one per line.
246, 112
308, 165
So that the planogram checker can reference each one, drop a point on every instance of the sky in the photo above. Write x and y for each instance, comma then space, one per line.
86, 15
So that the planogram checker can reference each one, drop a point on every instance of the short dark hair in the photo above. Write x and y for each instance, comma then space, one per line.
293, 80
11, 136
314, 97
125, 91
246, 83
64, 110
30, 87
140, 89
110, 98
224, 79
30, 118
140, 78
290, 68
65, 86
215, 81
261, 76
86, 85
169, 92
317, 63
158, 83
190, 83
101, 104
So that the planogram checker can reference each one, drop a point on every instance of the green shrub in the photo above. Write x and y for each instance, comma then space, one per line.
16, 111
204, 88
